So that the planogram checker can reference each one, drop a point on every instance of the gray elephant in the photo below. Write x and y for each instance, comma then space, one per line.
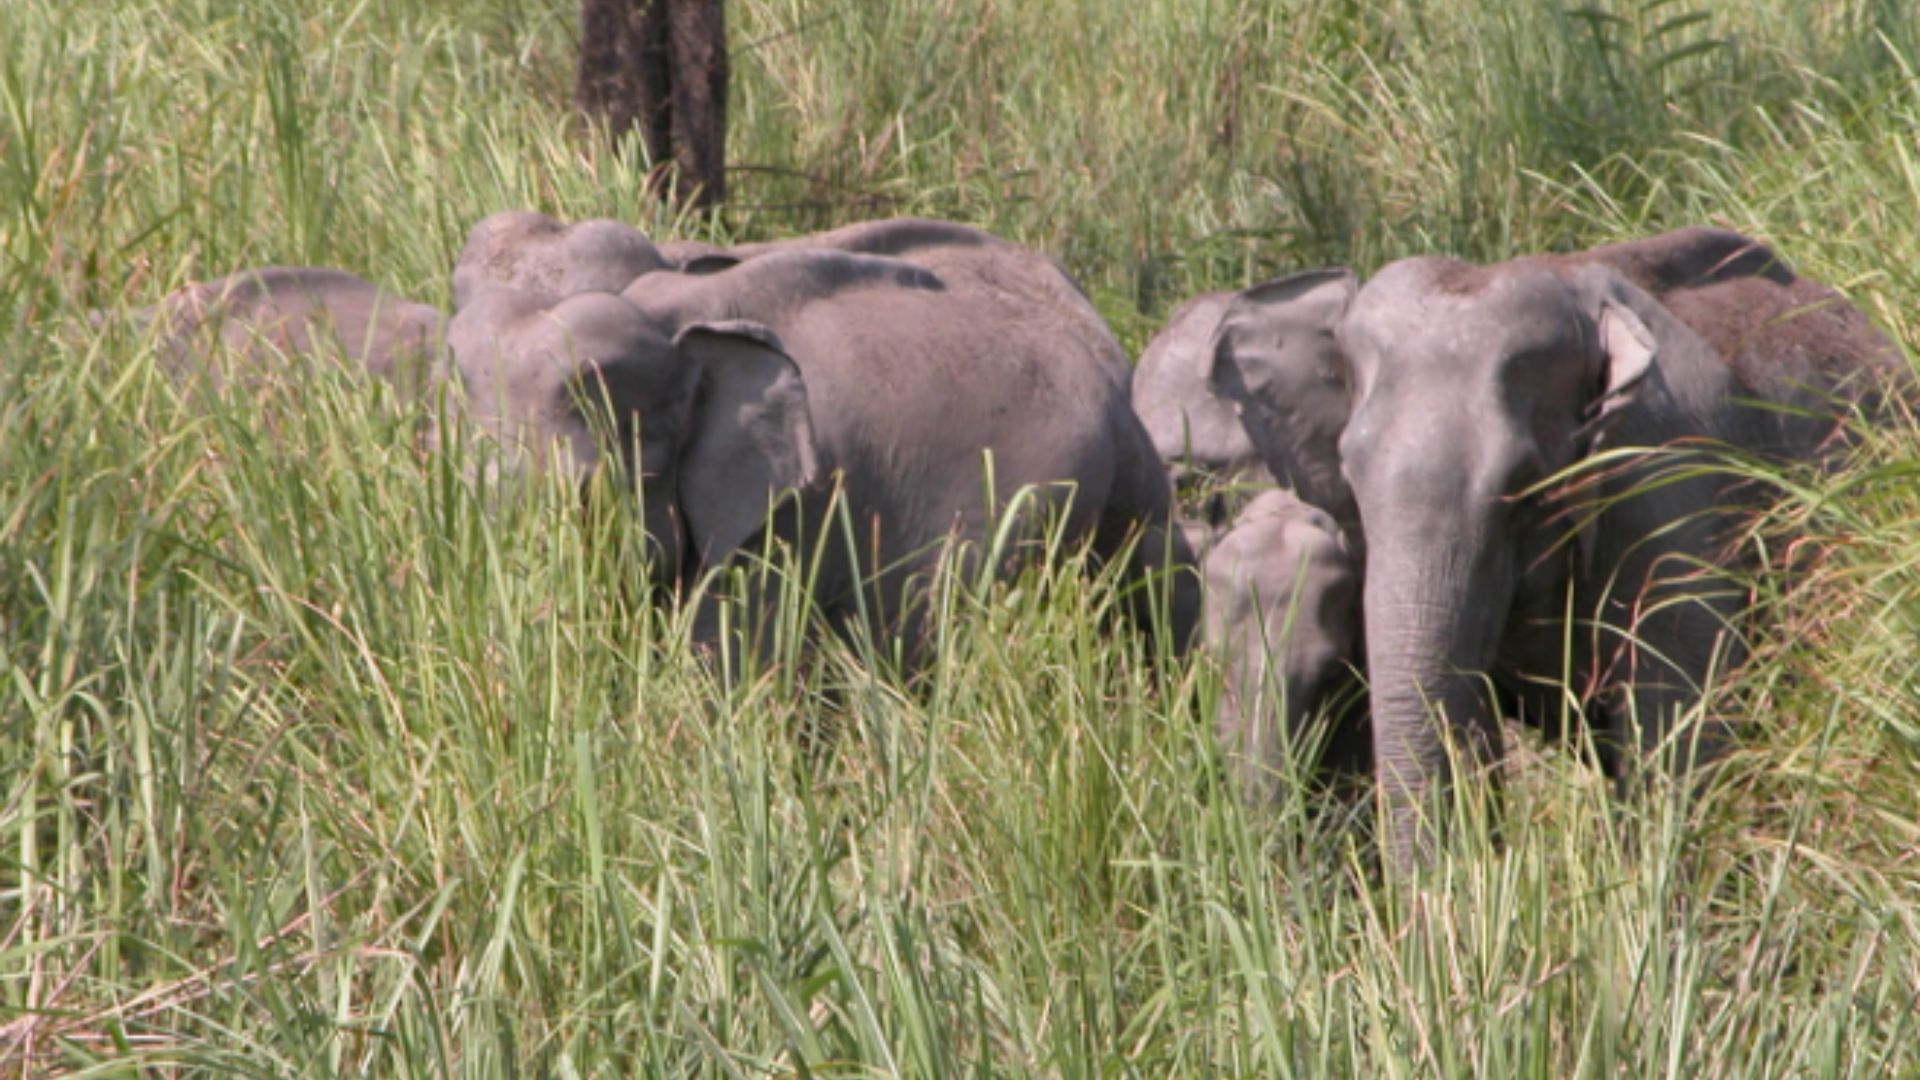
1272, 354
298, 310
1461, 388
804, 374
522, 249
1197, 433
969, 261
1282, 613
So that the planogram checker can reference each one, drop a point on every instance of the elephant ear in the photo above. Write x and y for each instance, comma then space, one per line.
1628, 350
1276, 357
751, 435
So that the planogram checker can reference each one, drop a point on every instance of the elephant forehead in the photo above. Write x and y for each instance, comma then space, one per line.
1277, 503
604, 331
1455, 316
604, 239
513, 222
497, 240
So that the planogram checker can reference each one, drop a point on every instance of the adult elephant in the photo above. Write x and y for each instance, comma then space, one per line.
297, 310
1461, 388
1197, 433
924, 400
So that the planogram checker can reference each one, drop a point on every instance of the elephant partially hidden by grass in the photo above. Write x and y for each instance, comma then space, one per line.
1462, 391
921, 373
1198, 434
1281, 577
294, 311
1283, 616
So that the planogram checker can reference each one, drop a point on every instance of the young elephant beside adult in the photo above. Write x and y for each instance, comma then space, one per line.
298, 310
803, 372
1460, 388
1282, 614
1197, 433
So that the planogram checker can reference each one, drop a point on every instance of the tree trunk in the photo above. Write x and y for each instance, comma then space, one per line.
698, 36
661, 66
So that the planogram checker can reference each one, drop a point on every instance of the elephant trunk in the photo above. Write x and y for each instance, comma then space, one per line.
1431, 627
670, 566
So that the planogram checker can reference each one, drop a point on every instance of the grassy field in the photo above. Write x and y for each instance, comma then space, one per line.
316, 757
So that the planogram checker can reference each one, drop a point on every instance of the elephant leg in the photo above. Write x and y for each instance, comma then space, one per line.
1167, 595
759, 607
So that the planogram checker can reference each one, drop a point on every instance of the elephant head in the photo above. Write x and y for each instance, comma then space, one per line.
712, 416
1197, 433
521, 249
1273, 354
1282, 612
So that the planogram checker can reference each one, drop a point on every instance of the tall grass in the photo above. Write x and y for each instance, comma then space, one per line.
318, 757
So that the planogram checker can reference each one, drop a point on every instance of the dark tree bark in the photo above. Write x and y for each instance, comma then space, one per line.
698, 33
661, 66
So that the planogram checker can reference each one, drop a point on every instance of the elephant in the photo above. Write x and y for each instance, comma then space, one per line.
803, 374
1197, 433
299, 310
1190, 426
1459, 391
1282, 597
522, 249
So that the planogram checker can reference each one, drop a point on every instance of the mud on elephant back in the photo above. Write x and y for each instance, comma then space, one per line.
1461, 389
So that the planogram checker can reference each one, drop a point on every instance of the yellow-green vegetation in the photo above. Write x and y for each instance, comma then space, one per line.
317, 756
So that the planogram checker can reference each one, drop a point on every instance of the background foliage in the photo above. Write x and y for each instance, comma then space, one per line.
316, 757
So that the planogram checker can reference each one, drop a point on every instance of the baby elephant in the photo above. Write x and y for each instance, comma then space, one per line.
1282, 603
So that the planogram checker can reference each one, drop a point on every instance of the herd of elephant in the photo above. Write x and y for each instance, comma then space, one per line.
1418, 557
